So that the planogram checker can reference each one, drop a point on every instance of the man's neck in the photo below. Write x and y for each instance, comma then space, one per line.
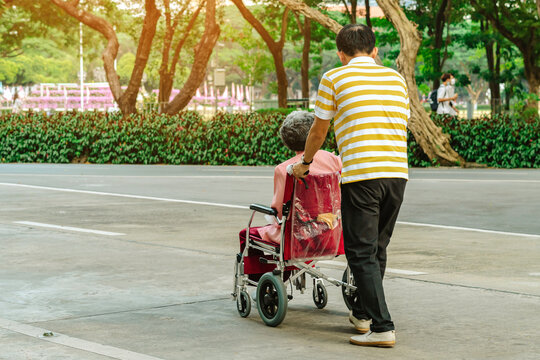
349, 58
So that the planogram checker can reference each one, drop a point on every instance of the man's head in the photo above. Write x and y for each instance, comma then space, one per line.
446, 77
355, 40
295, 129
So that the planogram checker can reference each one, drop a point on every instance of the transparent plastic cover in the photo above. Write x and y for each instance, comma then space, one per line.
316, 217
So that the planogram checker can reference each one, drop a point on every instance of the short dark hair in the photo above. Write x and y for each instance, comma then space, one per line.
445, 77
355, 38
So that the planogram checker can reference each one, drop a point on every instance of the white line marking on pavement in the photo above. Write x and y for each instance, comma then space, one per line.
480, 180
246, 207
60, 227
149, 176
468, 229
534, 274
57, 338
343, 265
126, 195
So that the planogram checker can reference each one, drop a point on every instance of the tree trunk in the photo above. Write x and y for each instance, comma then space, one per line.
368, 14
305, 58
532, 73
430, 137
538, 7
166, 70
203, 50
354, 5
275, 47
528, 51
126, 100
440, 20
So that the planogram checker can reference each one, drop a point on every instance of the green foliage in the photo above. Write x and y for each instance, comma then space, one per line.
125, 67
500, 141
230, 139
40, 61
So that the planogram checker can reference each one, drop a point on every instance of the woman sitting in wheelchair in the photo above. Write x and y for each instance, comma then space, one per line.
293, 133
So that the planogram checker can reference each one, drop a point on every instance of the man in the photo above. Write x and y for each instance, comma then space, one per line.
445, 95
370, 107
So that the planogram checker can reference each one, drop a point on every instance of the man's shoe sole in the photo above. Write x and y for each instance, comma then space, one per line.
385, 344
361, 331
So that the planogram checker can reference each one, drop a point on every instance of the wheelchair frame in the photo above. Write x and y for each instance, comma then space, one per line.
271, 295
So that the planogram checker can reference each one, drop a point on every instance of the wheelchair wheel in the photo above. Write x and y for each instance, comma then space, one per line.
348, 295
271, 299
243, 304
320, 296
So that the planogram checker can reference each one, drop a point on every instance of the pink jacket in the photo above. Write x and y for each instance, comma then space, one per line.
323, 162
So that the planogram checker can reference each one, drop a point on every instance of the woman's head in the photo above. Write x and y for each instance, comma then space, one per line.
295, 129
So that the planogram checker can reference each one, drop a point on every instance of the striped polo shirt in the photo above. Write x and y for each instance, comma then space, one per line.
370, 107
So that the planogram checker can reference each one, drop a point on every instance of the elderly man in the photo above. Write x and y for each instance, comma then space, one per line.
370, 107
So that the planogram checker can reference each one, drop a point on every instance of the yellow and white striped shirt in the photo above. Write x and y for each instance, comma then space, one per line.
370, 107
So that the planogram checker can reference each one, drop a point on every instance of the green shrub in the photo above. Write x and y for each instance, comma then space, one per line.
499, 141
228, 139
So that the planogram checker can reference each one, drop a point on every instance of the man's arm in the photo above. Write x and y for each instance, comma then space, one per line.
314, 141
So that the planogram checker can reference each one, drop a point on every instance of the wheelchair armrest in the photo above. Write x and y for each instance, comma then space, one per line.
263, 209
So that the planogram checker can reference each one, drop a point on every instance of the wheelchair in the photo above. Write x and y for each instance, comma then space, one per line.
311, 231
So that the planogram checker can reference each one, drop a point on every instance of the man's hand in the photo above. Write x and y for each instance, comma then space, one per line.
300, 170
454, 97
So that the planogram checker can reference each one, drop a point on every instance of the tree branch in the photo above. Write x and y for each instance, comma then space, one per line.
181, 42
105, 28
347, 9
256, 24
203, 50
313, 14
284, 24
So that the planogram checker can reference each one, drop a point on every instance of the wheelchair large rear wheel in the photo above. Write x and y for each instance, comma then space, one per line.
271, 299
349, 296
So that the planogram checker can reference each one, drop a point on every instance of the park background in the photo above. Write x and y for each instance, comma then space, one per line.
189, 82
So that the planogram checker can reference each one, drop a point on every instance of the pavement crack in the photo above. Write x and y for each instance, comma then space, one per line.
467, 286
130, 310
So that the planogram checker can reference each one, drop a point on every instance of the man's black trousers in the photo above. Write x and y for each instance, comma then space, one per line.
369, 210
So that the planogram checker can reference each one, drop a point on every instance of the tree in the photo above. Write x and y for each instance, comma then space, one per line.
503, 16
203, 50
127, 99
275, 47
430, 137
167, 69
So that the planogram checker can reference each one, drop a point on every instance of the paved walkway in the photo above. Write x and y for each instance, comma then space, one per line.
135, 262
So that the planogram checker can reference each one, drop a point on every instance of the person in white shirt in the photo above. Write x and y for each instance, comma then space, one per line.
445, 95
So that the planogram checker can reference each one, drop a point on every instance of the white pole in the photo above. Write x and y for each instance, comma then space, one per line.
81, 64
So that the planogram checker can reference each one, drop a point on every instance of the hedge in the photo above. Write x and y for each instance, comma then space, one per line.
227, 139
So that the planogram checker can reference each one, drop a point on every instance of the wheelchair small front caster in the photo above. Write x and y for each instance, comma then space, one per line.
243, 304
320, 295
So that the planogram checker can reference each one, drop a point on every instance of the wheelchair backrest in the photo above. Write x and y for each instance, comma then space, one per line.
313, 227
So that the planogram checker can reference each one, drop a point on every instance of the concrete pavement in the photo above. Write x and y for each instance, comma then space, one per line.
162, 289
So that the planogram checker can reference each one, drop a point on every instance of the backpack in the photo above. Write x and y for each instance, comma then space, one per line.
433, 100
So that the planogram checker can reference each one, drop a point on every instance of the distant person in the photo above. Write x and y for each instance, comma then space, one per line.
17, 103
446, 95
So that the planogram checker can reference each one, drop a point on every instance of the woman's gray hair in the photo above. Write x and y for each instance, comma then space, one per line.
295, 129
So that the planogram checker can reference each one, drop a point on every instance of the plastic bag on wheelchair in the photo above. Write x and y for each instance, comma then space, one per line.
316, 218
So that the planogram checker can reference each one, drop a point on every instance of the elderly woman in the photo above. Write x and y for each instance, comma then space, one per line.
294, 132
